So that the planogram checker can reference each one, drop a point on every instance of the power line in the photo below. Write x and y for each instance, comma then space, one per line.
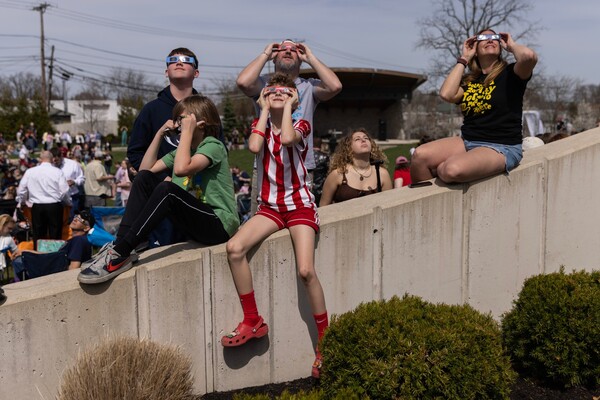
151, 30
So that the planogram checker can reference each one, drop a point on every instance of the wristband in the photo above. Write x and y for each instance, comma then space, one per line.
259, 133
462, 60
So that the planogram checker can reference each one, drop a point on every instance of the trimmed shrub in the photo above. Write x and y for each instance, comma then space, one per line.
553, 330
128, 368
410, 349
315, 394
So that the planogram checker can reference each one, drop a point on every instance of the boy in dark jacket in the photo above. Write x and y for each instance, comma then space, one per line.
182, 69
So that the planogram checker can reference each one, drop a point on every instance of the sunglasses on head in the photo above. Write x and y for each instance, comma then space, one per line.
184, 59
278, 89
488, 36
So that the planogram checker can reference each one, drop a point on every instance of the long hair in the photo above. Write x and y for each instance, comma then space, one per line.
475, 68
204, 109
343, 155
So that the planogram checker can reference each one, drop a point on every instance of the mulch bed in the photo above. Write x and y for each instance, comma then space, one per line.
521, 390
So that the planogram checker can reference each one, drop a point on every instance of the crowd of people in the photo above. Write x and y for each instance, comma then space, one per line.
176, 183
48, 184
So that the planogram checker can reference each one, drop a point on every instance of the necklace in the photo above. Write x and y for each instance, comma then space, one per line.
364, 175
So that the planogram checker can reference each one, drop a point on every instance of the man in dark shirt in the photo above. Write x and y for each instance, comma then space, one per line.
74, 251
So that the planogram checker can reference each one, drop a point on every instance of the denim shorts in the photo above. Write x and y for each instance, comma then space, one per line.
513, 153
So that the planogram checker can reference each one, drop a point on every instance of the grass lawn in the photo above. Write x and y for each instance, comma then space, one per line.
244, 159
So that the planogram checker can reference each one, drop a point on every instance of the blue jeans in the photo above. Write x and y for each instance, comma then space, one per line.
513, 153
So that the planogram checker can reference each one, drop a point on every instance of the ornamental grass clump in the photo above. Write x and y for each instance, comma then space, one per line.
553, 330
411, 349
132, 369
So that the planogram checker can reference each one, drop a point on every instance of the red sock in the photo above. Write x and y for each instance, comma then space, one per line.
322, 323
249, 307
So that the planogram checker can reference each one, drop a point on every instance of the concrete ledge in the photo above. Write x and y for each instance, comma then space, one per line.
474, 243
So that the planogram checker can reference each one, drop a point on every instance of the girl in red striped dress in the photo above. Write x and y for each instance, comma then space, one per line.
280, 145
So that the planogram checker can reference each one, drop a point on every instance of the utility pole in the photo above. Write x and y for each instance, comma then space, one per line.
42, 8
51, 67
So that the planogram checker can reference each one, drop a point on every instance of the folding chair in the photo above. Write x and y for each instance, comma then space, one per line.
31, 265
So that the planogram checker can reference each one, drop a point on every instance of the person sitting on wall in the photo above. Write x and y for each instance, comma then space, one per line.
402, 172
198, 198
491, 99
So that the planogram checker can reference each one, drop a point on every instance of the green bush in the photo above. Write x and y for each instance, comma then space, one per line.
553, 331
315, 394
410, 349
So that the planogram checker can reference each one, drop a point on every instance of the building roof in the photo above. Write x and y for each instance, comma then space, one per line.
370, 86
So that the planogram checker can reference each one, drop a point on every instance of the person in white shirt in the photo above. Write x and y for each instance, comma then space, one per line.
75, 178
46, 187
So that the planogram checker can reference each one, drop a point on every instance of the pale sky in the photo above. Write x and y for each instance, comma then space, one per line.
227, 34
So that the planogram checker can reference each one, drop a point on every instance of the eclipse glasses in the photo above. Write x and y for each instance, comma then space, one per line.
488, 36
286, 47
278, 89
183, 59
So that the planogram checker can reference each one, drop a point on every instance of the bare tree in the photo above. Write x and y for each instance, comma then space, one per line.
133, 89
24, 85
453, 21
587, 99
242, 105
556, 95
132, 86
427, 114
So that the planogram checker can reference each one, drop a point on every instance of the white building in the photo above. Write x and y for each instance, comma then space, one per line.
86, 116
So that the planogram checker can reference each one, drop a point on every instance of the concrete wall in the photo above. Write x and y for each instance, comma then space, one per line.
455, 244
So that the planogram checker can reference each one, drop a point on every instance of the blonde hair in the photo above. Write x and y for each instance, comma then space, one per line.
343, 156
6, 219
475, 68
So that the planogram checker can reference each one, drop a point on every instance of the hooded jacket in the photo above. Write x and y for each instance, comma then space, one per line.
152, 116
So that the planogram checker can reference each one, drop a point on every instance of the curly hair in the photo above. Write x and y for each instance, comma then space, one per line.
343, 156
281, 79
476, 71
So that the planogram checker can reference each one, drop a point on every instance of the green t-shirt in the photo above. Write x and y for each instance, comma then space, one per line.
213, 185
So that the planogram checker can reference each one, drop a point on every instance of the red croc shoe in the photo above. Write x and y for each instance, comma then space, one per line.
316, 367
244, 332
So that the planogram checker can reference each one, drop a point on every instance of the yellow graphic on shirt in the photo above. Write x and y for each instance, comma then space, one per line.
193, 187
476, 98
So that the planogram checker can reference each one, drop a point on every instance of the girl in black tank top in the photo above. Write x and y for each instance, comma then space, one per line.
355, 170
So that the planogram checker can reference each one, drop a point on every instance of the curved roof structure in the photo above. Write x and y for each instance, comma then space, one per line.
370, 86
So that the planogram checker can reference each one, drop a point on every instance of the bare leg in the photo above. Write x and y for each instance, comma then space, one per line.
250, 234
303, 238
428, 156
475, 164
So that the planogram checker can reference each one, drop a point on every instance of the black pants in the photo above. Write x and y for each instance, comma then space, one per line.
46, 221
152, 200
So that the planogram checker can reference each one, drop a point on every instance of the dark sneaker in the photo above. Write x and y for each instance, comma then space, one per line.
106, 267
2, 296
97, 262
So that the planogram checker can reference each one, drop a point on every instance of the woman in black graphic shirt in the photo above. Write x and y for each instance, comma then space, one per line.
491, 100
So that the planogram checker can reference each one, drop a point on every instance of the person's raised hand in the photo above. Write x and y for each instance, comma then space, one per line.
263, 100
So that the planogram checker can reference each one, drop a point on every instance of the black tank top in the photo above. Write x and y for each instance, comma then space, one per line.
345, 192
